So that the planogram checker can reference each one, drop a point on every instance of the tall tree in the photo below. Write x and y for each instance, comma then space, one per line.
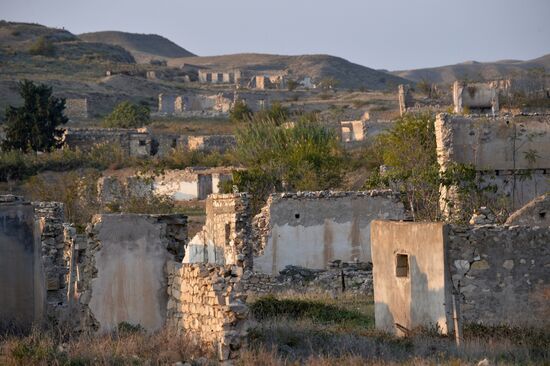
34, 125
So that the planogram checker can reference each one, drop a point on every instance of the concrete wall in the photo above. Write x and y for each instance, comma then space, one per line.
313, 228
134, 142
419, 295
23, 297
127, 255
511, 153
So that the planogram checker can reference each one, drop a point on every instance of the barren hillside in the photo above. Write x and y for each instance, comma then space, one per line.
143, 47
475, 70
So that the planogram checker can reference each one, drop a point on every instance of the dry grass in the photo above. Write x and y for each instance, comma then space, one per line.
317, 338
124, 348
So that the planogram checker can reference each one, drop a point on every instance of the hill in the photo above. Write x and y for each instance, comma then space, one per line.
143, 47
18, 39
475, 70
318, 67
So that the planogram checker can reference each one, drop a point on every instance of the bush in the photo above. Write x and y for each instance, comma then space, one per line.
306, 156
42, 46
240, 112
128, 115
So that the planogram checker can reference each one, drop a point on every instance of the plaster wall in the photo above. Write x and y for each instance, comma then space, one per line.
311, 232
420, 297
22, 284
131, 283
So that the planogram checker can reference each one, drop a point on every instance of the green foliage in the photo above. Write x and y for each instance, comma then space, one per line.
42, 46
128, 115
19, 165
306, 156
149, 204
127, 328
409, 150
34, 125
271, 307
240, 112
276, 113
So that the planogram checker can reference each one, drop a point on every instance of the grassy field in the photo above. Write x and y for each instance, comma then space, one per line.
291, 329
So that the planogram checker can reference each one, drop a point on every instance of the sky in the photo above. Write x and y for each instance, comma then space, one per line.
382, 34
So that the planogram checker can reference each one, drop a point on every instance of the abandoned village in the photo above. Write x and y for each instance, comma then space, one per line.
159, 207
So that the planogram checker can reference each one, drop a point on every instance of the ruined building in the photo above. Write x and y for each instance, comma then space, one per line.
479, 98
405, 98
509, 154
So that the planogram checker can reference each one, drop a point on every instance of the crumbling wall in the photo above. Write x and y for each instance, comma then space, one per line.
166, 104
23, 297
134, 142
512, 154
225, 237
76, 108
535, 213
124, 278
352, 131
210, 143
311, 229
405, 98
180, 185
340, 277
480, 97
501, 273
208, 303
56, 239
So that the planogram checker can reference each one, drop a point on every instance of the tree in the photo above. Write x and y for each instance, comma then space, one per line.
409, 152
34, 125
307, 156
240, 112
128, 115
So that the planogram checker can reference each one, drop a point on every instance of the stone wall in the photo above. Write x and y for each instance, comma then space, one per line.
124, 276
497, 275
23, 297
501, 273
405, 98
220, 143
56, 239
512, 154
535, 213
225, 237
352, 131
134, 142
311, 229
340, 277
208, 303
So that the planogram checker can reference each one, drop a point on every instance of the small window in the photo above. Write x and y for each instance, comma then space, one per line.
142, 143
296, 215
174, 143
402, 265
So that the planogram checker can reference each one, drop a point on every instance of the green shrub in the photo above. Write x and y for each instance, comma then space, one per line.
240, 112
128, 115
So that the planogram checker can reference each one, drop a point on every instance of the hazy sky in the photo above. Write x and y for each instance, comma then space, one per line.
388, 34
